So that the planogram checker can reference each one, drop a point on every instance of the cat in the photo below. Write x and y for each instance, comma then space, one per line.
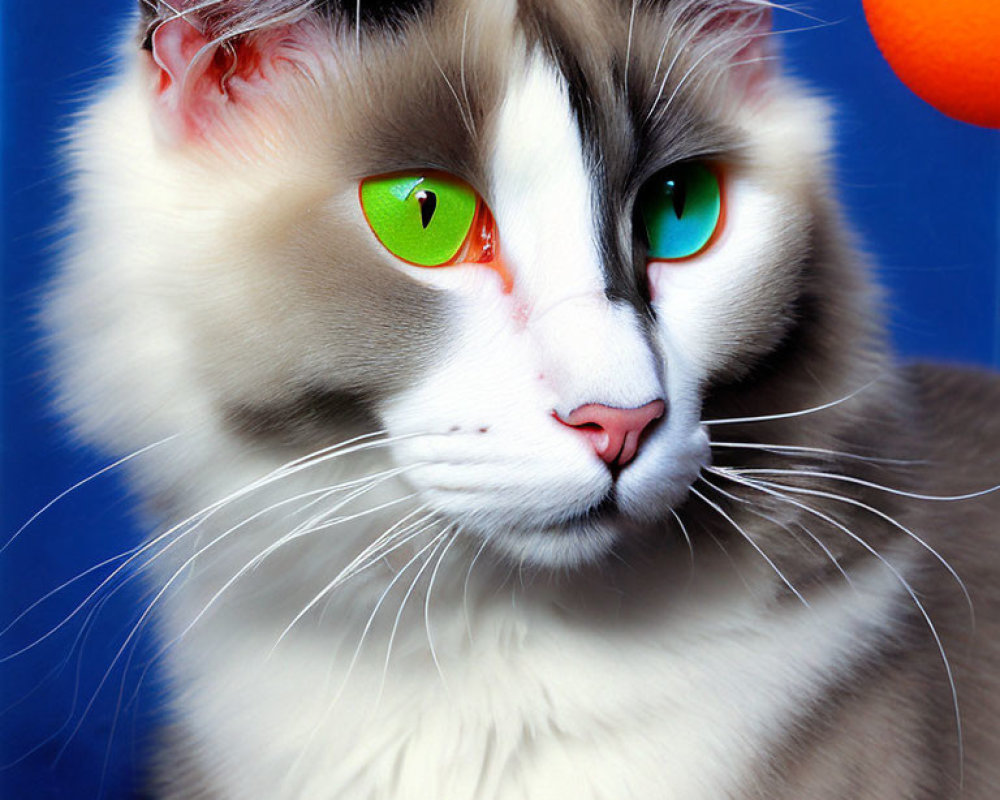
513, 414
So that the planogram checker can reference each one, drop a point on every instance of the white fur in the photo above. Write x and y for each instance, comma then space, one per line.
545, 690
534, 705
555, 344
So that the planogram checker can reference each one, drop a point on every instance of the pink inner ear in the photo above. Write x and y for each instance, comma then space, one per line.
192, 74
750, 33
751, 61
758, 34
200, 79
175, 45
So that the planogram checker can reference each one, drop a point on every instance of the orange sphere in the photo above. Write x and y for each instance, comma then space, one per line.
946, 51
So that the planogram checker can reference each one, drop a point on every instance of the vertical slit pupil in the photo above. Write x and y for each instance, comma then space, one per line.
678, 195
428, 204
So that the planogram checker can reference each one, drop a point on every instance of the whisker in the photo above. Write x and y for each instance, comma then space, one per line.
437, 542
79, 642
760, 486
784, 527
62, 587
372, 555
253, 564
465, 588
88, 623
333, 452
144, 616
469, 124
628, 44
794, 448
427, 606
750, 61
378, 605
138, 552
752, 543
696, 30
330, 448
870, 484
697, 62
788, 414
304, 750
738, 39
79, 484
340, 487
790, 9
274, 546
461, 73
200, 517
374, 552
882, 515
355, 567
323, 520
659, 59
684, 533
670, 68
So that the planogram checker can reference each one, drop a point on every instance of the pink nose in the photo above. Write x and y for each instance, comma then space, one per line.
613, 432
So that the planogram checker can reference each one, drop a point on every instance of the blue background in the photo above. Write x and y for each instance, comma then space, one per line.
923, 190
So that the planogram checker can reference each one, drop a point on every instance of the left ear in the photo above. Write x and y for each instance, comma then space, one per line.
752, 64
754, 58
743, 31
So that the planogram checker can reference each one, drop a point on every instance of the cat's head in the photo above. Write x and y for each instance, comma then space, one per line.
529, 241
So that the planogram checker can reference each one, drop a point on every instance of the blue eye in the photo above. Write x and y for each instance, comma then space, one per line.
681, 208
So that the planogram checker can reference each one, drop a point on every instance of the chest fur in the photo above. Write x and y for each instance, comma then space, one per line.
523, 698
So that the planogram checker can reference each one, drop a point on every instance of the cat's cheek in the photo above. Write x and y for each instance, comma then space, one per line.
728, 306
488, 289
472, 282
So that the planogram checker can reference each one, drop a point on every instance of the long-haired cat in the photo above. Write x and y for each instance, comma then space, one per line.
514, 416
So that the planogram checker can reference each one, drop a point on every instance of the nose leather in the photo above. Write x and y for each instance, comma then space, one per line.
614, 433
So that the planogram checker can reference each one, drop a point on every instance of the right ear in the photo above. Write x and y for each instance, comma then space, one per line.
202, 80
191, 74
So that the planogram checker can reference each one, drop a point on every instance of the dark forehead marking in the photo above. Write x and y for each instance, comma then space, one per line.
375, 12
584, 52
607, 52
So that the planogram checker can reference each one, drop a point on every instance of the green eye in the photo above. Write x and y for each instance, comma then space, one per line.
423, 218
681, 208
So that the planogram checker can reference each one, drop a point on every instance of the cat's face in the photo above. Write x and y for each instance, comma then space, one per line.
546, 396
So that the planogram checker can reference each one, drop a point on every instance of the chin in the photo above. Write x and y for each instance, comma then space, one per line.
582, 541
